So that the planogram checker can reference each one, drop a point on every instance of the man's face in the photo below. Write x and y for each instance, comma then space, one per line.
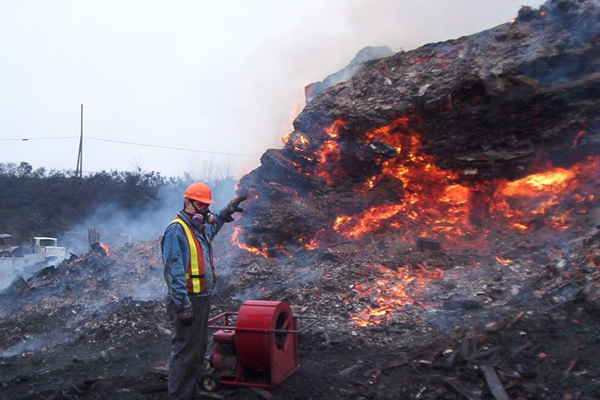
200, 207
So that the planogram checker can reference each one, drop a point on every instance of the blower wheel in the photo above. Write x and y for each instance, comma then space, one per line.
209, 383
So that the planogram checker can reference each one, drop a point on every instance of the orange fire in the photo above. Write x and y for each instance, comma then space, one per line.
444, 204
551, 182
329, 151
447, 205
434, 203
504, 261
354, 227
439, 203
254, 250
106, 248
391, 291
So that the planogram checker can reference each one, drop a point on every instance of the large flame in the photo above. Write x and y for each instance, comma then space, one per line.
438, 203
447, 205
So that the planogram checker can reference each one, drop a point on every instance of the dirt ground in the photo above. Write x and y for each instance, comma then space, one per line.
77, 332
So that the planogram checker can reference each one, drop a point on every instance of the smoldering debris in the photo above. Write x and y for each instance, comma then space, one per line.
444, 257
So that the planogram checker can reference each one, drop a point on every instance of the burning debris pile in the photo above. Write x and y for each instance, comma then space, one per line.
438, 212
459, 176
452, 141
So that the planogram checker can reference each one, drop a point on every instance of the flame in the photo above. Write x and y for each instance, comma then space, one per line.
354, 227
433, 202
235, 236
504, 261
442, 204
391, 291
254, 250
447, 205
334, 130
329, 152
554, 181
106, 248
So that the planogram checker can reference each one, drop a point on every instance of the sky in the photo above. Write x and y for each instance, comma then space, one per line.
197, 87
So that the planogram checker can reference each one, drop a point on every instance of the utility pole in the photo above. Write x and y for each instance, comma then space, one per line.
79, 169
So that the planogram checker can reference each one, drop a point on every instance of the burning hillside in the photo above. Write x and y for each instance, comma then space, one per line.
438, 212
497, 131
451, 147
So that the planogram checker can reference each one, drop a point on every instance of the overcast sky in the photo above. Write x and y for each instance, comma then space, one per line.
223, 76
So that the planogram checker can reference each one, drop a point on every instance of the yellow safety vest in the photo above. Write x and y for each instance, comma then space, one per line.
195, 273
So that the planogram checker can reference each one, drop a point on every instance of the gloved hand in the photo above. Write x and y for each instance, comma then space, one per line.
234, 205
186, 316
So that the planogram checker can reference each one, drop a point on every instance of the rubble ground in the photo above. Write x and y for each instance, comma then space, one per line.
499, 300
84, 330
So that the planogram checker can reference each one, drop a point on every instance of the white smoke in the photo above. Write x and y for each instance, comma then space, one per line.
216, 76
117, 226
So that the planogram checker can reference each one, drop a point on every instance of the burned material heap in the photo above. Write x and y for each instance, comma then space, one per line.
449, 141
438, 214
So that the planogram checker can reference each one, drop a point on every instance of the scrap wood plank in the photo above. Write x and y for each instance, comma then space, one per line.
493, 382
405, 358
457, 386
351, 369
395, 364
464, 348
515, 319
482, 353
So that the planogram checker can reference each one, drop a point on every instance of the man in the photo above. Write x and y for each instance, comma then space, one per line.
190, 276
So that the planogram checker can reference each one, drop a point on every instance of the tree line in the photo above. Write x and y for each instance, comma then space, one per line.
41, 202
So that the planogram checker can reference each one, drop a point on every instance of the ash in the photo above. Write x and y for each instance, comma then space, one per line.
528, 311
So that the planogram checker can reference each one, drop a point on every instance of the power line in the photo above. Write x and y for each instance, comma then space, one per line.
171, 148
134, 144
40, 138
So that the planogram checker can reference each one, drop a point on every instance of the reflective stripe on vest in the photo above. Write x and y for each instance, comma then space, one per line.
196, 281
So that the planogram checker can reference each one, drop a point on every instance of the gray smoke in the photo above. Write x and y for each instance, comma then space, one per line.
117, 226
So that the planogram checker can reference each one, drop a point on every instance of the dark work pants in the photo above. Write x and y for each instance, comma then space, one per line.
188, 346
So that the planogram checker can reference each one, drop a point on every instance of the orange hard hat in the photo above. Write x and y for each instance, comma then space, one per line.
199, 191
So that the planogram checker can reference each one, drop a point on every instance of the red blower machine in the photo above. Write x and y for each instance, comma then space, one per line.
260, 350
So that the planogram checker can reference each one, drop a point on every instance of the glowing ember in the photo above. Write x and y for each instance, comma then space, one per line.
580, 134
433, 202
437, 204
554, 181
520, 227
329, 152
451, 206
106, 248
504, 261
354, 227
391, 291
